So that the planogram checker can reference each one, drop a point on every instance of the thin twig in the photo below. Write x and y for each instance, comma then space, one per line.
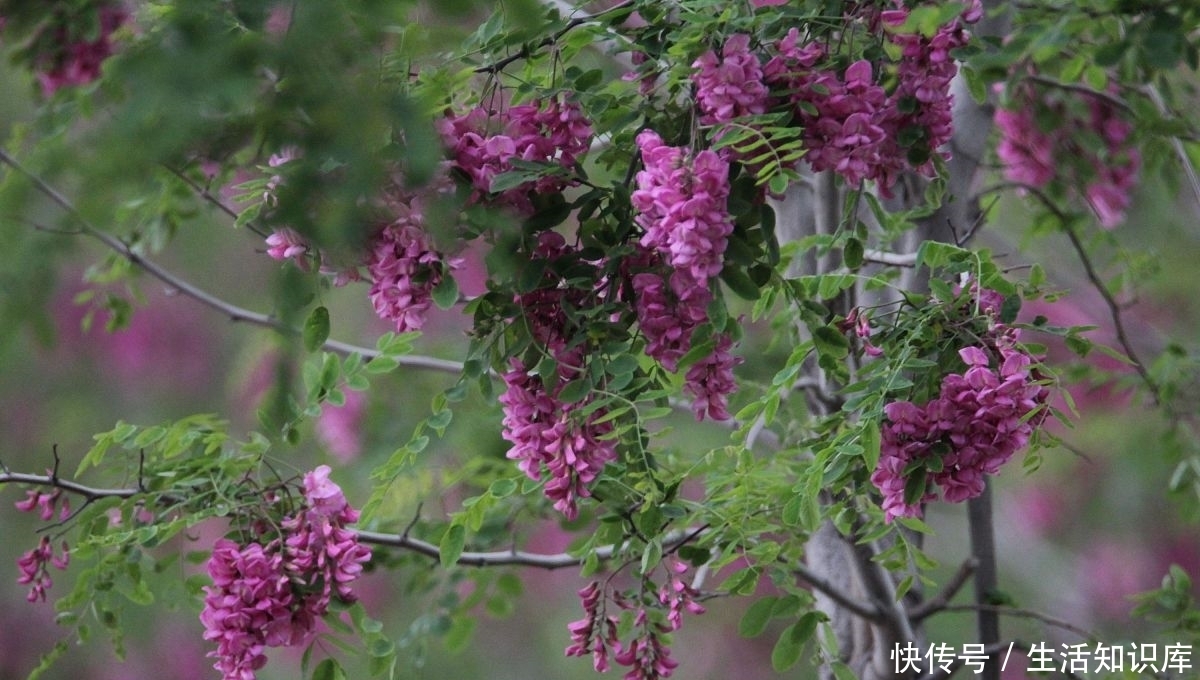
1018, 612
938, 602
1114, 307
672, 540
231, 311
526, 51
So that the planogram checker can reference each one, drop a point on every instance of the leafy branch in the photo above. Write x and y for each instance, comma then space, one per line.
231, 311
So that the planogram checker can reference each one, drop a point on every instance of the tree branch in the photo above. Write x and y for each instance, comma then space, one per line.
571, 25
863, 609
938, 602
983, 549
233, 312
402, 541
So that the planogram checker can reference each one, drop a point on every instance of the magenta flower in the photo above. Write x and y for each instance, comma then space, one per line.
484, 145
729, 86
404, 270
34, 568
979, 420
681, 203
78, 60
271, 595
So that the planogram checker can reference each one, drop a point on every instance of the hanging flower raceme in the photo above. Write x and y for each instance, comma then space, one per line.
980, 418
681, 201
484, 145
729, 86
647, 654
271, 594
404, 270
920, 111
1087, 153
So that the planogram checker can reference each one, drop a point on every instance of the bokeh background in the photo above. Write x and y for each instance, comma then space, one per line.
1089, 527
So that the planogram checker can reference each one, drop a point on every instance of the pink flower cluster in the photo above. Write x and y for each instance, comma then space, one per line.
554, 439
729, 86
77, 60
979, 420
646, 655
549, 437
401, 263
1034, 157
34, 571
404, 270
484, 145
46, 502
670, 306
33, 564
681, 203
922, 103
851, 124
272, 595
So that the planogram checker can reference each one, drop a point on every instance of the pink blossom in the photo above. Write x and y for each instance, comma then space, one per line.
1102, 175
33, 566
681, 203
979, 420
47, 502
78, 60
271, 595
550, 438
484, 145
286, 244
730, 86
404, 271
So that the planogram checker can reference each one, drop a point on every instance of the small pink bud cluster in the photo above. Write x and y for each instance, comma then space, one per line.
550, 437
681, 203
46, 502
978, 421
859, 322
1033, 156
647, 655
271, 595
33, 564
34, 568
77, 59
484, 145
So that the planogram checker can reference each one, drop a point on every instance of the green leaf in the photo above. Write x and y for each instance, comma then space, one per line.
853, 253
445, 294
502, 488
790, 644
316, 329
329, 669
914, 487
575, 390
740, 282
459, 636
451, 546
831, 342
756, 618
